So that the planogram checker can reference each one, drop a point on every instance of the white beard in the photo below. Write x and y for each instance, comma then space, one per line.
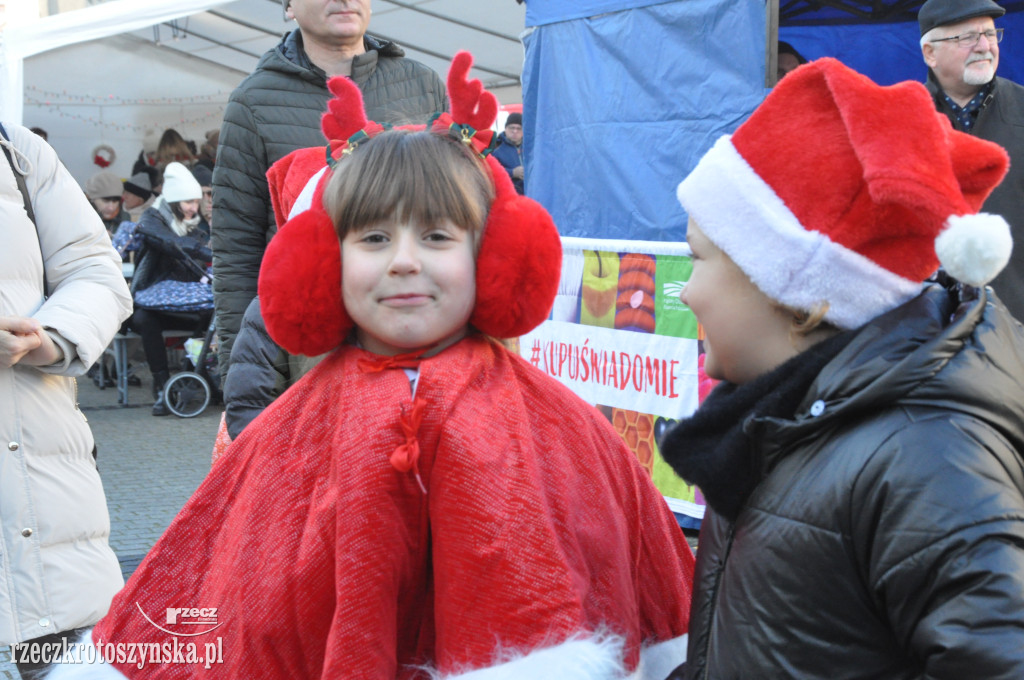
980, 71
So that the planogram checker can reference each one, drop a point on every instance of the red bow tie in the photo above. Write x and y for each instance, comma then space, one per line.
377, 363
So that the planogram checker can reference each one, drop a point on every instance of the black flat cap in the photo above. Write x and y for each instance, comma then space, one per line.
941, 12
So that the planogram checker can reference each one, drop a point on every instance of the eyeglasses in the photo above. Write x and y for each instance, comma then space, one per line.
971, 39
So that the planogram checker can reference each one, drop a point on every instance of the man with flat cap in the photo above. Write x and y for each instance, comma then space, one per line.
960, 45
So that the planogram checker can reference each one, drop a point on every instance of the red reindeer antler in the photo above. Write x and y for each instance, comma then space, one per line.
345, 115
471, 104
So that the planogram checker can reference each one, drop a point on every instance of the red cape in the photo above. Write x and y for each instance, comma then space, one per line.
323, 559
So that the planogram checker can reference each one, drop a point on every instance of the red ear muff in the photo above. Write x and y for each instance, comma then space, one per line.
300, 286
519, 264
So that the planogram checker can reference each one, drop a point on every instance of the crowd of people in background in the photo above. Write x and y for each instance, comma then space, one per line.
159, 221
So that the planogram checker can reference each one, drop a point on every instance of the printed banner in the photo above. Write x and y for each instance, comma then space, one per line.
621, 339
644, 372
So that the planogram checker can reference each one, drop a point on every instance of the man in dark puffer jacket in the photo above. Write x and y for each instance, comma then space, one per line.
276, 110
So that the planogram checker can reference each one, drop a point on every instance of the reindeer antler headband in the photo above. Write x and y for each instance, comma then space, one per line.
518, 265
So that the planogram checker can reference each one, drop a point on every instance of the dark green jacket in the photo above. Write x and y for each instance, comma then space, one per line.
1001, 120
274, 111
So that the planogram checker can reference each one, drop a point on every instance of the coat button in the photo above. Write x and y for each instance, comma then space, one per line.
817, 408
26, 532
44, 622
12, 446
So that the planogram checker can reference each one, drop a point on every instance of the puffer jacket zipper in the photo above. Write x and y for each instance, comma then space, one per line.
714, 600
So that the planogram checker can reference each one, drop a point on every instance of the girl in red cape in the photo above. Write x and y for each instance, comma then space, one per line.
424, 503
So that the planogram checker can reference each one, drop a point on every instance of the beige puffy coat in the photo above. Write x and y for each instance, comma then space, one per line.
57, 571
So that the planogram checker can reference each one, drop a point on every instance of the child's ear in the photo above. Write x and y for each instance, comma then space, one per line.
519, 264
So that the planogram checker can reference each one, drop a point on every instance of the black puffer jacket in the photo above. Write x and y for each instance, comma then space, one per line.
165, 256
1001, 120
260, 371
273, 112
885, 536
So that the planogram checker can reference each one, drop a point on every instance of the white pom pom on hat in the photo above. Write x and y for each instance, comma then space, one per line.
823, 196
974, 248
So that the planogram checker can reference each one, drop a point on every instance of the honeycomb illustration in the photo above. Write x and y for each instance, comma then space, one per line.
637, 429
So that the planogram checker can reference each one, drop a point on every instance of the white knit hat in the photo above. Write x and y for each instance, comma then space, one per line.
839, 191
179, 184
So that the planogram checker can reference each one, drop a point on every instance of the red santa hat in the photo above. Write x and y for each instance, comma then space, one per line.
837, 190
520, 256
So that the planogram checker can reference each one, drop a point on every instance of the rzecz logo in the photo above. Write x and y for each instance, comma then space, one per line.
187, 621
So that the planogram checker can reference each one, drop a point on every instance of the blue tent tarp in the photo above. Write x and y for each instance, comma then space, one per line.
621, 98
621, 104
890, 52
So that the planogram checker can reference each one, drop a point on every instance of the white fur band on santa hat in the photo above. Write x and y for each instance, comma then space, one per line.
792, 265
304, 201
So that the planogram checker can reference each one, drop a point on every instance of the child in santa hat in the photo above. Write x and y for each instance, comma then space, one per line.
424, 503
863, 459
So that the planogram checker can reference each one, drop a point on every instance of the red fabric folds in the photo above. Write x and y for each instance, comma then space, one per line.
324, 560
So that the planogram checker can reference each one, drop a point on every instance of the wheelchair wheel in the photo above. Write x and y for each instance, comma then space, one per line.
187, 394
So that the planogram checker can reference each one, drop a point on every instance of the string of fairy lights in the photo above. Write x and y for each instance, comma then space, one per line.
65, 97
59, 103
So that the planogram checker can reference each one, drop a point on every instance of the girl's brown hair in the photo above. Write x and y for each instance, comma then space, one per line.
407, 176
173, 147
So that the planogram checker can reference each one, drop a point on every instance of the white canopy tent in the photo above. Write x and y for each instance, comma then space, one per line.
106, 75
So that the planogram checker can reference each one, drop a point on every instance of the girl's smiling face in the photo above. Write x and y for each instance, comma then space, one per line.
408, 286
189, 208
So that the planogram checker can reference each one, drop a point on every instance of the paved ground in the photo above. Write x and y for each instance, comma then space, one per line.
150, 466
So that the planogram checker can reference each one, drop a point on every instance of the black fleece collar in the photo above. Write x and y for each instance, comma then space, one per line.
712, 449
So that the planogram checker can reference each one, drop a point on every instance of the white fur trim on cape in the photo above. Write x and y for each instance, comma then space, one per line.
305, 198
582, 658
658, 660
974, 248
797, 267
73, 670
593, 658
